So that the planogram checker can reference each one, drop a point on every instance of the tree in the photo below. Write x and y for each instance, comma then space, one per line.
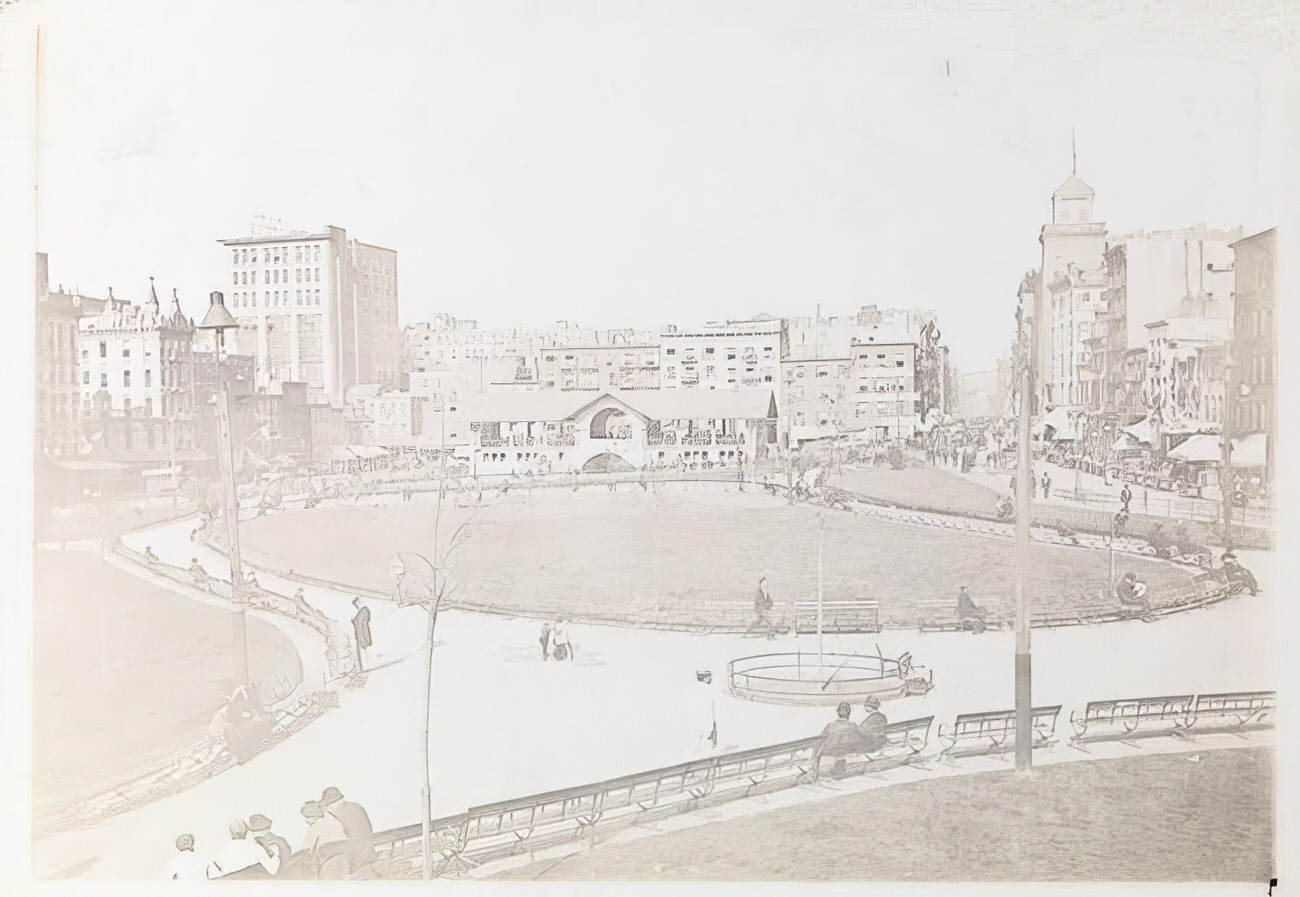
419, 582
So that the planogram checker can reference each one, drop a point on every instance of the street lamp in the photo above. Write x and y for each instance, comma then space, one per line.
219, 320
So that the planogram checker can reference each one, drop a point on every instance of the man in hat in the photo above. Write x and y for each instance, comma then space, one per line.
839, 739
259, 829
186, 865
361, 628
242, 857
872, 729
969, 614
545, 640
359, 848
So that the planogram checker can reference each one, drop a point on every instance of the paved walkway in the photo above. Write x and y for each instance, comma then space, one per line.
507, 724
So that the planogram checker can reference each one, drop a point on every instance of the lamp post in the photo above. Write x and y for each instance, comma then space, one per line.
1024, 472
1225, 471
219, 320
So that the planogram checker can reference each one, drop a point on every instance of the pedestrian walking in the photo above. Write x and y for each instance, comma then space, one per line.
361, 629
1047, 485
763, 610
1126, 496
563, 648
1033, 485
545, 640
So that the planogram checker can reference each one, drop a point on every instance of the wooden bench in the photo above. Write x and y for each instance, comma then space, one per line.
999, 729
1231, 711
859, 615
1121, 719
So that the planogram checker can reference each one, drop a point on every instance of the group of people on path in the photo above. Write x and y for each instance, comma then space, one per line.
555, 641
339, 844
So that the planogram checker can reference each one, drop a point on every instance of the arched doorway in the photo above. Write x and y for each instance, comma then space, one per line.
606, 422
607, 462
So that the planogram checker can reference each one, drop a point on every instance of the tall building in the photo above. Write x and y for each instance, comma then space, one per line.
884, 390
316, 308
58, 393
137, 379
729, 355
1254, 344
1073, 239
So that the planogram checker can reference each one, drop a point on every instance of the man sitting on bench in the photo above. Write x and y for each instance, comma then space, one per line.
839, 739
871, 731
969, 614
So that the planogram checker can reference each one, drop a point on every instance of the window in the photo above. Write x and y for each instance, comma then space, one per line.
126, 378
235, 275
316, 298
266, 255
708, 350
103, 349
103, 381
297, 275
85, 377
148, 407
317, 273
670, 351
297, 255
297, 297
252, 278
126, 353
148, 377
126, 406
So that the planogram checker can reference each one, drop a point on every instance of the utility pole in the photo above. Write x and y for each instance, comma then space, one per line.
1024, 475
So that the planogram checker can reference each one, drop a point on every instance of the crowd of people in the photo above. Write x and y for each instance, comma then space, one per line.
339, 845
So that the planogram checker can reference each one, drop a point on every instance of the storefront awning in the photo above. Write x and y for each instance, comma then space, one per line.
1250, 451
1199, 449
1141, 431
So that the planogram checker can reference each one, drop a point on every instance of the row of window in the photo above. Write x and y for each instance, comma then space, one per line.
276, 255
126, 378
275, 298
731, 353
276, 275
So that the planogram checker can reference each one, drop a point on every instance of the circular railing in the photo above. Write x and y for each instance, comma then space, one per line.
810, 678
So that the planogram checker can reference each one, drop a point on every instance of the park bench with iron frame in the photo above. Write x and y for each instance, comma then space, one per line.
998, 728
1127, 718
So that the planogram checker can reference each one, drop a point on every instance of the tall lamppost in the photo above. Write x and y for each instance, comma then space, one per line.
219, 320
1024, 472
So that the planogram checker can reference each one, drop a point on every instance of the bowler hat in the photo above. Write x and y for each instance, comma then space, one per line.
258, 823
312, 810
330, 795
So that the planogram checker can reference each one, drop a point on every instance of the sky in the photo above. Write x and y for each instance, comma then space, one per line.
642, 163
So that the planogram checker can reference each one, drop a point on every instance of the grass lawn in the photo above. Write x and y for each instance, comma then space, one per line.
928, 488
128, 667
657, 554
1157, 818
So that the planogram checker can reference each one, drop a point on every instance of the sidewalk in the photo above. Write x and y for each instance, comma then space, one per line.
1074, 488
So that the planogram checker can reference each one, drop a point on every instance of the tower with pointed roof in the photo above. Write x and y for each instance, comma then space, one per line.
1073, 240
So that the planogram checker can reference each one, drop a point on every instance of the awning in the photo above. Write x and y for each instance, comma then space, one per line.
1141, 431
1198, 450
1127, 444
1250, 451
